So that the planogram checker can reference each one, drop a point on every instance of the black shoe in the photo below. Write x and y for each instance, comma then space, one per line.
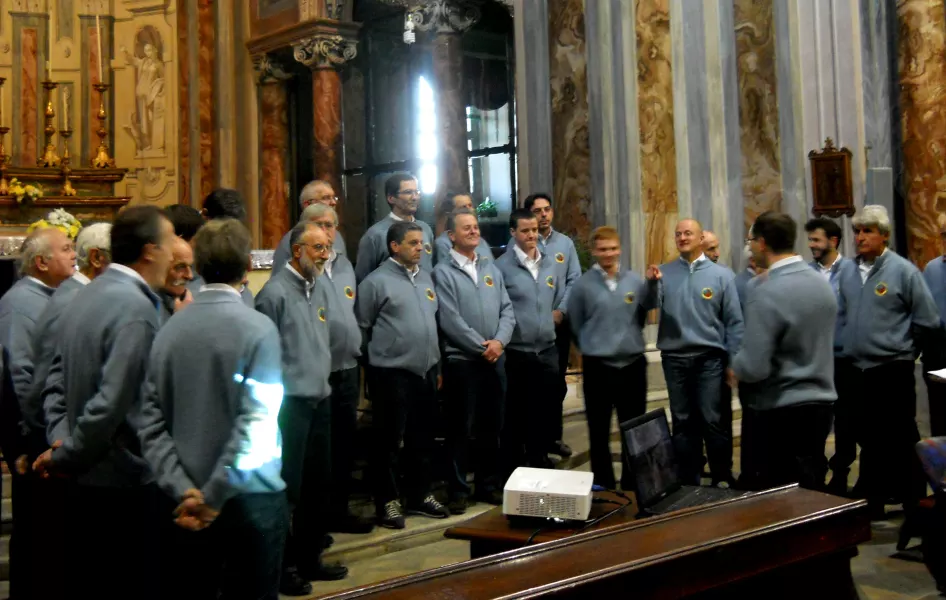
291, 584
494, 497
326, 573
351, 524
392, 516
327, 542
458, 505
560, 448
838, 486
429, 507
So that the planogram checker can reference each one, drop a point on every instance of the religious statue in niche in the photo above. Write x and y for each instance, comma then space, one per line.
146, 124
831, 181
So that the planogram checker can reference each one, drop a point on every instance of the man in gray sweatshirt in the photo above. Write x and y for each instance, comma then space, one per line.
453, 202
890, 315
700, 330
314, 193
209, 431
476, 321
47, 259
174, 294
396, 310
338, 282
607, 310
298, 307
535, 288
93, 395
404, 199
787, 360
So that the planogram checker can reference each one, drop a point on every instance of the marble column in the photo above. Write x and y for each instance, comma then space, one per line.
448, 20
533, 99
922, 74
274, 151
325, 55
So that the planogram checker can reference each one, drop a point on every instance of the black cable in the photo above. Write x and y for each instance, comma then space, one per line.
593, 522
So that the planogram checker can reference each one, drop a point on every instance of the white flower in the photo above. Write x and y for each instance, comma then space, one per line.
59, 216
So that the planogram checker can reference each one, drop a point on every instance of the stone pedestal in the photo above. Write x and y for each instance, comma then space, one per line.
274, 151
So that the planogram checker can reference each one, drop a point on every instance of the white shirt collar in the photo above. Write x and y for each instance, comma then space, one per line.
864, 263
31, 278
525, 257
605, 273
692, 265
410, 272
463, 260
308, 284
784, 262
220, 287
129, 272
78, 276
397, 218
545, 239
330, 263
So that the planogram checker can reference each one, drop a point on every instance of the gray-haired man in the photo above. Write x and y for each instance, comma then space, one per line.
315, 193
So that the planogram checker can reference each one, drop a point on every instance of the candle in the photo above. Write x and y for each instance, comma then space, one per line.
49, 48
98, 38
65, 109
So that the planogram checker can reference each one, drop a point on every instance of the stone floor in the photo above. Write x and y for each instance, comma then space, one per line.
879, 571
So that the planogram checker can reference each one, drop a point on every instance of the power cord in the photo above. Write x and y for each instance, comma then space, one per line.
592, 522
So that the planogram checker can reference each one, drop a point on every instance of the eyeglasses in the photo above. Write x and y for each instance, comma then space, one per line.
317, 247
325, 199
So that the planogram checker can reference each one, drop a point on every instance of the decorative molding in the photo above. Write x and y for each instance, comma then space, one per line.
269, 70
143, 7
334, 9
325, 51
443, 16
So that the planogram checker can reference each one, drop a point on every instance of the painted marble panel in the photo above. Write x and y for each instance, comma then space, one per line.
451, 112
205, 82
92, 109
571, 154
327, 130
758, 107
922, 51
655, 114
29, 100
183, 87
64, 19
274, 153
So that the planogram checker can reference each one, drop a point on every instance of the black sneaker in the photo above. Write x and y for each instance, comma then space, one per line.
458, 505
392, 516
560, 448
429, 507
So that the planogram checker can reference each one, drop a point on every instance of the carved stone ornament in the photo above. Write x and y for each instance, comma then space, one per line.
325, 51
442, 16
269, 70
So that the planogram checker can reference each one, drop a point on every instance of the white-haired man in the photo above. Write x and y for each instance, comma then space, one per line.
174, 294
890, 315
313, 194
47, 258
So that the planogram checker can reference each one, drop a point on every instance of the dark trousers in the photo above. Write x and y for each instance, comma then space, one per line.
238, 556
531, 398
476, 393
936, 394
346, 388
307, 470
563, 343
404, 407
607, 389
694, 384
111, 552
885, 423
845, 413
38, 528
788, 445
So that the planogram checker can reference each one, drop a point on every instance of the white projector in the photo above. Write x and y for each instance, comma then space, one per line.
547, 493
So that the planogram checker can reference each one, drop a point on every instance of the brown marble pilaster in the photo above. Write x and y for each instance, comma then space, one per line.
206, 110
922, 52
183, 86
274, 151
447, 20
325, 55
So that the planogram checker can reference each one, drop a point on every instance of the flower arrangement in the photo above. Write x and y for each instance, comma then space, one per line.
61, 220
24, 192
486, 209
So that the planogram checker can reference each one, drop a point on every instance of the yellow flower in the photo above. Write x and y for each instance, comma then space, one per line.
41, 224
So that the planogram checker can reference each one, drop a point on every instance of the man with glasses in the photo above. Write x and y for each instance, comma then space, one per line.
403, 197
298, 307
314, 193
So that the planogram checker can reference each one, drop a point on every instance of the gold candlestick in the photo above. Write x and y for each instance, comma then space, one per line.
67, 189
102, 160
4, 160
49, 158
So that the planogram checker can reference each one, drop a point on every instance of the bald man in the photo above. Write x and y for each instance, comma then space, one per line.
700, 330
711, 246
314, 192
175, 295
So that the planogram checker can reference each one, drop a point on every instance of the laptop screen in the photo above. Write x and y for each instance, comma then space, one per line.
649, 454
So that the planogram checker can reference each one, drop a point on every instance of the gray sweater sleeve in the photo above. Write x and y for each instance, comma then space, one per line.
157, 445
260, 400
367, 256
19, 345
507, 316
119, 390
650, 294
753, 363
572, 273
732, 318
576, 310
54, 402
451, 323
366, 311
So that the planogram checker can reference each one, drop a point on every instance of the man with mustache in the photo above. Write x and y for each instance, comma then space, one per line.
404, 198
298, 307
396, 310
175, 295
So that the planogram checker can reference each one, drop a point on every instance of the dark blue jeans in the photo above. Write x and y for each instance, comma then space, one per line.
695, 385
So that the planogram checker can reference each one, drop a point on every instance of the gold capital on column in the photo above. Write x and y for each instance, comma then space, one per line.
443, 16
325, 51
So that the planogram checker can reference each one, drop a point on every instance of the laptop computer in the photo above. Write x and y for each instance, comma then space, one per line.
648, 452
